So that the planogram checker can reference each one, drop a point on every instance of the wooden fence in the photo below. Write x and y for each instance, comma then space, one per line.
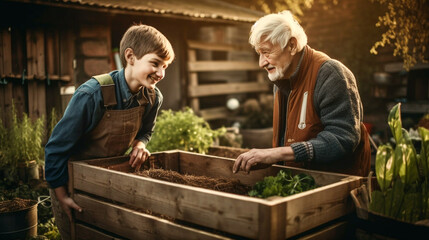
34, 64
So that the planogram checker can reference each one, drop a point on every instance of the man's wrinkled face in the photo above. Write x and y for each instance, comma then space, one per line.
273, 59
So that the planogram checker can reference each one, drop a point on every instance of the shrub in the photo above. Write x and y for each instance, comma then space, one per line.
182, 130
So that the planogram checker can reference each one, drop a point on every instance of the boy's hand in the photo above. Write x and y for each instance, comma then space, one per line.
138, 155
66, 202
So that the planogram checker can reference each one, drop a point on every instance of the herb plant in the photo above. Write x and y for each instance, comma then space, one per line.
402, 174
24, 139
182, 130
284, 184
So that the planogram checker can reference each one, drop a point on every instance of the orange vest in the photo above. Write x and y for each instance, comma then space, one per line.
303, 123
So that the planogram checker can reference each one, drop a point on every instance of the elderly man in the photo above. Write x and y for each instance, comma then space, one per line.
317, 108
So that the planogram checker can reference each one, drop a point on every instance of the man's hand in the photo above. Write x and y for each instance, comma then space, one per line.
138, 155
266, 157
66, 202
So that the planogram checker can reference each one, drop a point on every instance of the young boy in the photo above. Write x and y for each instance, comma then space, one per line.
108, 114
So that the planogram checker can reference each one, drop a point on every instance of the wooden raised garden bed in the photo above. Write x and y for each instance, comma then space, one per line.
119, 203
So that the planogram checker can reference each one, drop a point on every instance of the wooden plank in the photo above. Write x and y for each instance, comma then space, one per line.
6, 103
227, 88
209, 66
218, 46
193, 81
272, 221
18, 94
52, 52
5, 68
18, 51
71, 192
223, 211
334, 231
214, 113
5, 53
35, 53
65, 78
86, 233
67, 54
36, 67
333, 201
133, 224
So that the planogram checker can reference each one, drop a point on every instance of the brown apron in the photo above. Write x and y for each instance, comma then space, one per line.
111, 137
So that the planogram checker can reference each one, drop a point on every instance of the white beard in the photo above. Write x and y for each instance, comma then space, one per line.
278, 74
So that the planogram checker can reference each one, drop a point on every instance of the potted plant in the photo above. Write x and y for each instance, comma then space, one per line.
22, 150
256, 126
182, 130
400, 195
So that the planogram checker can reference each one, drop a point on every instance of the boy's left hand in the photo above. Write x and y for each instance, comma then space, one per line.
138, 155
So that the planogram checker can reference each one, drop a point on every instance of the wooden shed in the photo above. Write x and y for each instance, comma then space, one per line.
48, 48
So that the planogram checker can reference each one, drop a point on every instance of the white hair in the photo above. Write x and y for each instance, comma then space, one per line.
278, 28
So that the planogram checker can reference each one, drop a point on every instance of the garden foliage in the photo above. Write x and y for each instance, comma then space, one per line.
402, 174
284, 184
182, 130
22, 141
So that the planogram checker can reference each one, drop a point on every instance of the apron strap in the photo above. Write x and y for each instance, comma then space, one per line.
107, 89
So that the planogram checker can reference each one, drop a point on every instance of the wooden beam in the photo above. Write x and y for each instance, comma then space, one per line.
133, 224
86, 233
214, 113
226, 88
5, 52
219, 46
210, 66
193, 81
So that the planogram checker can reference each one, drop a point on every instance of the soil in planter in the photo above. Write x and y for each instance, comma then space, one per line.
218, 184
15, 205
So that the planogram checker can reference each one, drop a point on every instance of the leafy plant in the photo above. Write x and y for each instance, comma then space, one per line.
24, 139
3, 139
182, 130
284, 184
402, 174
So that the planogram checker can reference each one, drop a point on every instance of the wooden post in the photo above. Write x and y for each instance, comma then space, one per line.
193, 81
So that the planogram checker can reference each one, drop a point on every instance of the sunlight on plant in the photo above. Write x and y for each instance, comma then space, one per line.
407, 25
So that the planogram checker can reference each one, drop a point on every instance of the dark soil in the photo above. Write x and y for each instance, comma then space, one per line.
15, 205
218, 184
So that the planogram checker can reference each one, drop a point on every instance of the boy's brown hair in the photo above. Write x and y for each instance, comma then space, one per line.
144, 39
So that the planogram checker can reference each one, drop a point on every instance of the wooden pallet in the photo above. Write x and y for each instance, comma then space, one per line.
196, 90
110, 199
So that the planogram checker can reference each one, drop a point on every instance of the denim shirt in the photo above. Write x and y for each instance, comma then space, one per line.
83, 113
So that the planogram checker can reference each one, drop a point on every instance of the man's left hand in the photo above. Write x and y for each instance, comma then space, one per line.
265, 157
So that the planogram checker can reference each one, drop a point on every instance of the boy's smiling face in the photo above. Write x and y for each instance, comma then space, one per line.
149, 70
146, 71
